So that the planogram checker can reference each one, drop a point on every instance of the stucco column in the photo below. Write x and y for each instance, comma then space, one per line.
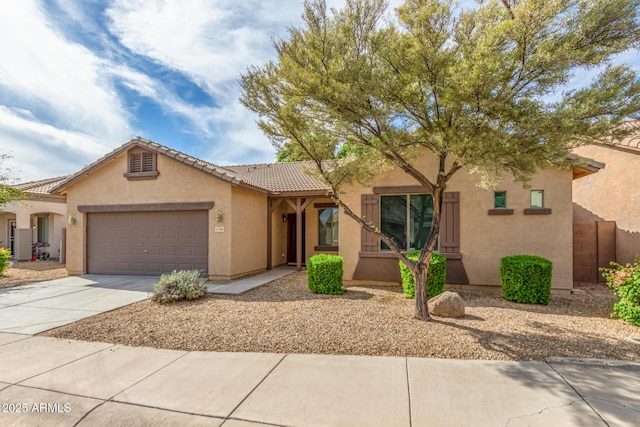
22, 244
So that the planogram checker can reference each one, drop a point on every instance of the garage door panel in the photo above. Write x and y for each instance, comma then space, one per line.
147, 243
170, 234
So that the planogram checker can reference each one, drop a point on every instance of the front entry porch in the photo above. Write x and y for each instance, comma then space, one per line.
292, 229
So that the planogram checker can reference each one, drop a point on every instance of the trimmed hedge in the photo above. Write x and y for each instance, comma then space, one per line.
5, 255
436, 275
179, 285
324, 274
526, 279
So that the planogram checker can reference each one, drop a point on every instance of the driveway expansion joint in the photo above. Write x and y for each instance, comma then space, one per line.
257, 385
576, 390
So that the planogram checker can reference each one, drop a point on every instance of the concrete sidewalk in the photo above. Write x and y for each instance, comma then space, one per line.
49, 381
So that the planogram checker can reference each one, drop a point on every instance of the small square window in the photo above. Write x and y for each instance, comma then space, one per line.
537, 198
500, 199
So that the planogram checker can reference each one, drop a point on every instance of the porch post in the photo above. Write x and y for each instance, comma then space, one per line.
299, 234
23, 234
269, 233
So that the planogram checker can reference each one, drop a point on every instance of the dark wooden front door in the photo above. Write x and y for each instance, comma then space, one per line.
291, 238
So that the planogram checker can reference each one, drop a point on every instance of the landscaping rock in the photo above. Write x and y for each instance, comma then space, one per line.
447, 304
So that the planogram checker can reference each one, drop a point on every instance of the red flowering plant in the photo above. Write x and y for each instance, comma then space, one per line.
624, 281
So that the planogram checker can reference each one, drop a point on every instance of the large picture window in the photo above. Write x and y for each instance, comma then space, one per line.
407, 219
328, 227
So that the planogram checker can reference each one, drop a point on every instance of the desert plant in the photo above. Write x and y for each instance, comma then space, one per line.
5, 254
324, 274
624, 281
436, 275
526, 279
179, 285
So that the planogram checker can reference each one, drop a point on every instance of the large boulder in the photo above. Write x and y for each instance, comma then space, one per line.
447, 304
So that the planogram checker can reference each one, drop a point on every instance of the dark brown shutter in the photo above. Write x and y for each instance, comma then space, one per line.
450, 223
135, 162
371, 213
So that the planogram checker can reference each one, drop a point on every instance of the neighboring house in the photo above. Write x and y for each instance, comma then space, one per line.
39, 218
607, 207
147, 209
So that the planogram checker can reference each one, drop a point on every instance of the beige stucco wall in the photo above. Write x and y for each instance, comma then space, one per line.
612, 194
176, 183
279, 235
249, 232
484, 238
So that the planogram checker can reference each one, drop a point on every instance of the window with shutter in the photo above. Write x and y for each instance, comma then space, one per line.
142, 165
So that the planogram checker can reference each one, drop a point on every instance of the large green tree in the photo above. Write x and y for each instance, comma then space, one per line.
7, 192
483, 88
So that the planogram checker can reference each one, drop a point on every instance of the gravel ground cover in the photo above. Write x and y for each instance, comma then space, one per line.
284, 317
25, 272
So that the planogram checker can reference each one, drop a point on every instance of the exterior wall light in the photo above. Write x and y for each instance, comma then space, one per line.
284, 217
218, 215
71, 220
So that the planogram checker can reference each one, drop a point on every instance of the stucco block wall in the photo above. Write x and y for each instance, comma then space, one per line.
176, 183
612, 194
485, 238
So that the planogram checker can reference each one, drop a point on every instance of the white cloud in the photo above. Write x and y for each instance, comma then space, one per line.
62, 81
39, 150
57, 98
210, 41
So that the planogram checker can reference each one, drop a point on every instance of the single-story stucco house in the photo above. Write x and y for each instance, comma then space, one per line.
607, 207
145, 209
39, 218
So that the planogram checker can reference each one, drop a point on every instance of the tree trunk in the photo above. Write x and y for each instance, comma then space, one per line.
420, 280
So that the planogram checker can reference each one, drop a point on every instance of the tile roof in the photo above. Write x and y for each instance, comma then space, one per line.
280, 177
269, 177
633, 140
43, 186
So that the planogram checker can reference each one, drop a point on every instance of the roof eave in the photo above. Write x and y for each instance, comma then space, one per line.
583, 166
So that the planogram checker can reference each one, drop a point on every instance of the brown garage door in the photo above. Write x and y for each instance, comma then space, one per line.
147, 243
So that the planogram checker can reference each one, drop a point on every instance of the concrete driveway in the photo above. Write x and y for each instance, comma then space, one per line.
31, 309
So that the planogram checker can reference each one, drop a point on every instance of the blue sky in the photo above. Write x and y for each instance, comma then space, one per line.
79, 78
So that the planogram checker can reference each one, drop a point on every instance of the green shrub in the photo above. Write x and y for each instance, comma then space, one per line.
324, 274
179, 285
436, 275
526, 279
624, 281
5, 254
